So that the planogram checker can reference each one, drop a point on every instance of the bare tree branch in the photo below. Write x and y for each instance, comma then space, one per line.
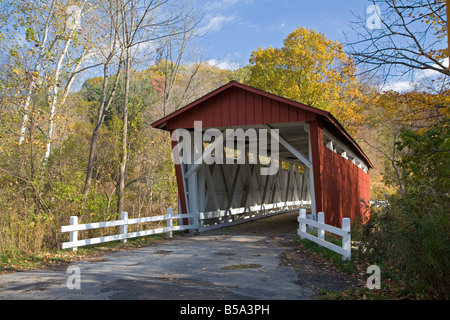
409, 38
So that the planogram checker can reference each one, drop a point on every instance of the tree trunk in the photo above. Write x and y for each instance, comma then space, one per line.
36, 69
53, 100
123, 162
102, 109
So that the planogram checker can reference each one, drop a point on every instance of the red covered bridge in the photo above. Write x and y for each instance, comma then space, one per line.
318, 164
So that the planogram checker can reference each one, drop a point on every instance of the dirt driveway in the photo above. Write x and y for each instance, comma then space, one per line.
255, 260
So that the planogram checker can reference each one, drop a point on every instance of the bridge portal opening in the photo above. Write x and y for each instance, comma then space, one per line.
241, 154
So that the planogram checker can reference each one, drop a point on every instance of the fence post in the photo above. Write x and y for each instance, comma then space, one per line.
302, 225
321, 219
197, 221
346, 240
169, 222
73, 235
124, 227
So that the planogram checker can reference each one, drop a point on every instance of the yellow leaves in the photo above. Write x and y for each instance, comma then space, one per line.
417, 109
421, 131
18, 71
309, 68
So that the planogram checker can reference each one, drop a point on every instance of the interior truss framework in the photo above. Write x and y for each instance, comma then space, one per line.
226, 194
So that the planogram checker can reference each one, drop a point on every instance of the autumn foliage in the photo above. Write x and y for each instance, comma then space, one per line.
310, 69
49, 116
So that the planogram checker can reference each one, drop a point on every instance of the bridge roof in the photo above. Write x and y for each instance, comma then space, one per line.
236, 104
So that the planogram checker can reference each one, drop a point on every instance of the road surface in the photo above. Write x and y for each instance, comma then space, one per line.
242, 262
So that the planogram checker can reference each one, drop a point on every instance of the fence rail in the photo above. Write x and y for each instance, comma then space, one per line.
345, 250
124, 222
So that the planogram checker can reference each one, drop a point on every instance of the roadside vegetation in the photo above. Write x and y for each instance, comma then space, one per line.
77, 97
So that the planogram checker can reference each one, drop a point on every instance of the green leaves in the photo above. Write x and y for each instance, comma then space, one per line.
427, 162
412, 231
29, 35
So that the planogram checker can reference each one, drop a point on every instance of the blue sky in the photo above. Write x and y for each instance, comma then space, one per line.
235, 28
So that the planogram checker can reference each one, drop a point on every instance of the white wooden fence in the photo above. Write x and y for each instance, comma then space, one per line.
124, 222
345, 250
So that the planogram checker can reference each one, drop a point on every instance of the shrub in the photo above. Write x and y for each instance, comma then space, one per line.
411, 233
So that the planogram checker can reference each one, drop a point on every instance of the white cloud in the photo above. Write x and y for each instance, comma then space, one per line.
431, 73
225, 64
399, 86
419, 75
216, 23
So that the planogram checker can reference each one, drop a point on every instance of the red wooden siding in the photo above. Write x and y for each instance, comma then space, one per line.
317, 149
239, 107
344, 185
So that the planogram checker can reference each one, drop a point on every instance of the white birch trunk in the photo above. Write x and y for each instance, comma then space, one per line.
53, 100
36, 68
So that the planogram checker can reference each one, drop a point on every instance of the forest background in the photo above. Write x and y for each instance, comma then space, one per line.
81, 81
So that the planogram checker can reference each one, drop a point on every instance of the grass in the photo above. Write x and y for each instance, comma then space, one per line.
347, 266
391, 287
242, 266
